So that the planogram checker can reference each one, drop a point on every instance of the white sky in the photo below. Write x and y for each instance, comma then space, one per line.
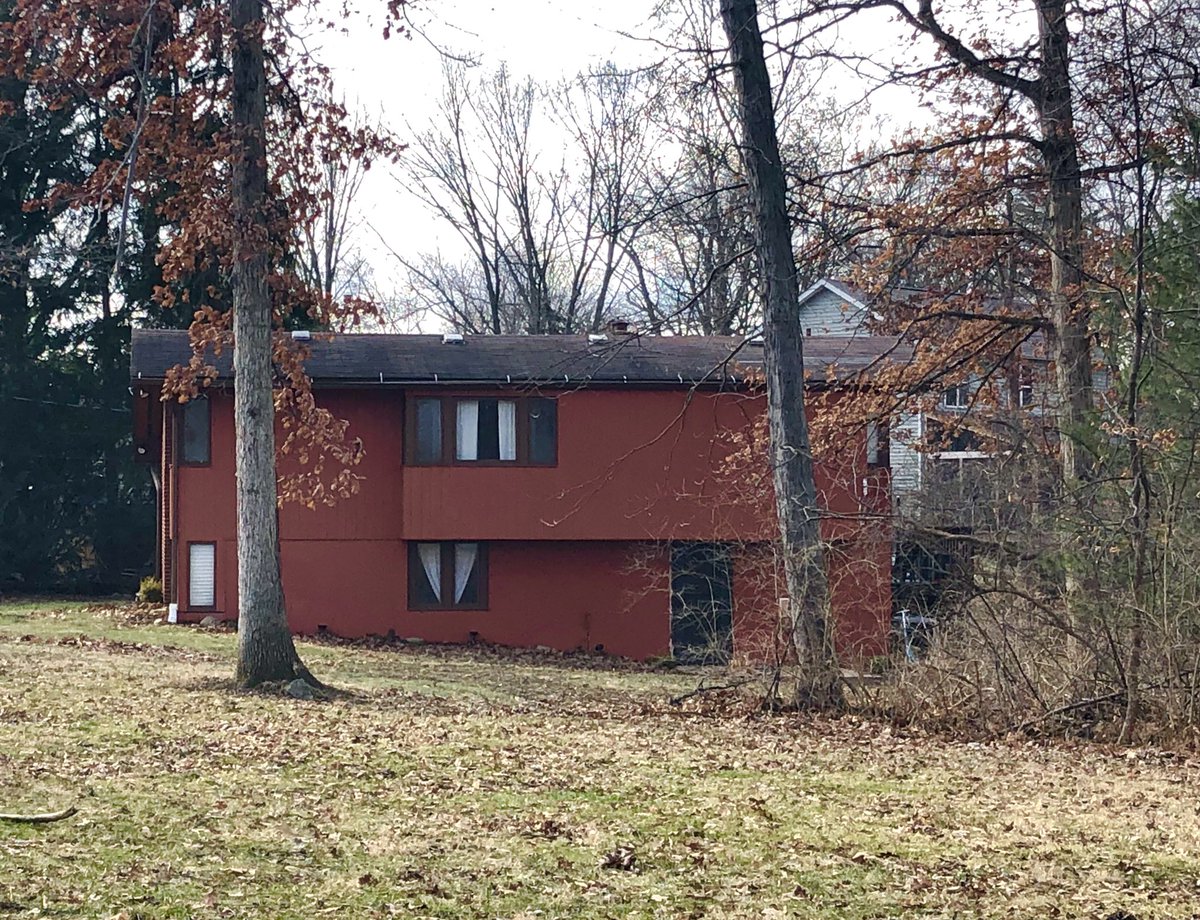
398, 80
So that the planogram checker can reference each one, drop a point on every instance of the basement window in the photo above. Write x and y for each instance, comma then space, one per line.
195, 436
483, 431
447, 576
202, 576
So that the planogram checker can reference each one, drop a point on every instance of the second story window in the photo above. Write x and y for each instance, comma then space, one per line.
957, 397
1024, 388
195, 440
487, 431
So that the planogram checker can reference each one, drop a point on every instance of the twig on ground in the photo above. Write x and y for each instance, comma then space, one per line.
711, 688
45, 818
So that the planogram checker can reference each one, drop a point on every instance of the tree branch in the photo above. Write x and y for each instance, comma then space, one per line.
44, 818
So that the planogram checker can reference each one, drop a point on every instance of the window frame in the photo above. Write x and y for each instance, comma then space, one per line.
181, 432
449, 416
446, 548
879, 432
1025, 388
962, 401
190, 604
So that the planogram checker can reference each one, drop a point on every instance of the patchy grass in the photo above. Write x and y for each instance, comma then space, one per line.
473, 784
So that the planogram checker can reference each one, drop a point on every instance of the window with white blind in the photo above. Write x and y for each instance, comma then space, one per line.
202, 575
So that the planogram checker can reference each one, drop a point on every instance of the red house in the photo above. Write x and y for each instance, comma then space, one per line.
577, 492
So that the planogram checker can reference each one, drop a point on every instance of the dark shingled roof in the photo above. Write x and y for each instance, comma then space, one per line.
368, 358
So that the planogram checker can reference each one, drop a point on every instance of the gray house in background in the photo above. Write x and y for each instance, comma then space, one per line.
833, 308
944, 486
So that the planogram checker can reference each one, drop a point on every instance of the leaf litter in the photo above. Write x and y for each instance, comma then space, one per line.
470, 783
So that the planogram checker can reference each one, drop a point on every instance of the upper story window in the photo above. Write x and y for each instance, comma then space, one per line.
877, 443
195, 432
957, 397
1024, 387
483, 430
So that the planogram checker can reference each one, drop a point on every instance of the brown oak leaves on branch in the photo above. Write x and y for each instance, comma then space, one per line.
157, 74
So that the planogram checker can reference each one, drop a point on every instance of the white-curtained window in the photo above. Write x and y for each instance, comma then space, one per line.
467, 426
444, 576
486, 429
522, 431
506, 424
431, 563
465, 555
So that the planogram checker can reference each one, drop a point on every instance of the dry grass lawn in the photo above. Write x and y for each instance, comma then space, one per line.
460, 784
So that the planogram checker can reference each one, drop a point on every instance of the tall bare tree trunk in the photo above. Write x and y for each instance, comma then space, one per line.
1051, 95
265, 648
1070, 317
791, 455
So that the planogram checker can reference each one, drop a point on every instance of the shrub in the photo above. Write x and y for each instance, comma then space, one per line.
150, 590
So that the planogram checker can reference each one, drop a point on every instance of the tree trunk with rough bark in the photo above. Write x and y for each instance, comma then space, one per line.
1051, 95
795, 490
265, 648
1070, 316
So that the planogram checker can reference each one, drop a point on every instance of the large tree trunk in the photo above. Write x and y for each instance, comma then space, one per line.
1070, 316
795, 490
265, 648
1051, 96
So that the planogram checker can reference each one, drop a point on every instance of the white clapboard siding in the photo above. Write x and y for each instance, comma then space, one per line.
906, 462
825, 312
202, 571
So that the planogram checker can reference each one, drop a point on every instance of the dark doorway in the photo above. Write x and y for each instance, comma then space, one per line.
701, 603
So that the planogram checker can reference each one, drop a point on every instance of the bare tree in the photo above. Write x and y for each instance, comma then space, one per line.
328, 257
265, 648
548, 235
795, 489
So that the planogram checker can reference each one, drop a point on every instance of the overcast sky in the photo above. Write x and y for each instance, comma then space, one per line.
398, 80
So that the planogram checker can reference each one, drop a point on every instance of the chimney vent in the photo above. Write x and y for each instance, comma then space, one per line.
621, 327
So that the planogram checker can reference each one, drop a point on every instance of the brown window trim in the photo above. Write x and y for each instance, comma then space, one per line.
416, 569
450, 432
181, 409
188, 548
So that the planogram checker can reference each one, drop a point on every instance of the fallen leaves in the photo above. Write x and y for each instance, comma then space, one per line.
623, 858
460, 783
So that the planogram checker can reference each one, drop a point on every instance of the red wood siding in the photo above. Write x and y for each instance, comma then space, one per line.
569, 566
